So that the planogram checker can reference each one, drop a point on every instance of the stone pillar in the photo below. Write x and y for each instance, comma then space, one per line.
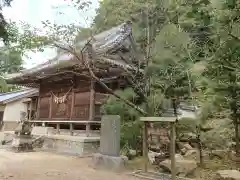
109, 156
110, 135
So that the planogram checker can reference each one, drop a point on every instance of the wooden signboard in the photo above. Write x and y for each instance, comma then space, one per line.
147, 121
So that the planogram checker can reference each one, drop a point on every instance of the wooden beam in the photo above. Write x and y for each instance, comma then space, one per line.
173, 150
145, 146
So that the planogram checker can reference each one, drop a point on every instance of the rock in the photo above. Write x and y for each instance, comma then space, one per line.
183, 150
219, 153
132, 152
233, 156
179, 157
228, 175
183, 167
191, 136
231, 144
180, 145
152, 156
192, 154
187, 146
109, 162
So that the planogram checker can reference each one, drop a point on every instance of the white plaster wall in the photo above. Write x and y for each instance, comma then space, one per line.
2, 107
13, 109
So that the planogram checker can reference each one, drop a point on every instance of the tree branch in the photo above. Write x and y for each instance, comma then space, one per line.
87, 64
234, 37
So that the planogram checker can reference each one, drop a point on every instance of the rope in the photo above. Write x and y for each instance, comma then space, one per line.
61, 99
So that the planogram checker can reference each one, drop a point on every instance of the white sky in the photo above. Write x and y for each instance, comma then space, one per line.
35, 11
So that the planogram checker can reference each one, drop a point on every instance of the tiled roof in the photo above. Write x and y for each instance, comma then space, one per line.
6, 97
101, 44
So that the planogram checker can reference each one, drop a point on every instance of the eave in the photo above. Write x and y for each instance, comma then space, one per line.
27, 94
102, 45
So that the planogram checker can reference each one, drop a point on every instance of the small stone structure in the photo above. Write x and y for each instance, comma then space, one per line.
71, 145
43, 139
22, 140
109, 156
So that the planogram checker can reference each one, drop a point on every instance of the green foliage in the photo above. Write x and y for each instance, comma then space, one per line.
194, 47
3, 31
115, 106
131, 135
220, 136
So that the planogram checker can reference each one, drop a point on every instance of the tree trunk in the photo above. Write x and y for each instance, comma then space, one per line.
236, 124
200, 152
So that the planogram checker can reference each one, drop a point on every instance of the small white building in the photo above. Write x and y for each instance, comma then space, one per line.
12, 104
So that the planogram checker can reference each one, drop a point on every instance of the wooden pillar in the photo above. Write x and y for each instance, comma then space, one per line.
91, 106
72, 104
173, 150
50, 107
30, 110
71, 129
38, 103
73, 97
38, 107
43, 124
58, 128
145, 146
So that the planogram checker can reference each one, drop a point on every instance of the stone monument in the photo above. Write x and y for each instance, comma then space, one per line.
109, 155
22, 140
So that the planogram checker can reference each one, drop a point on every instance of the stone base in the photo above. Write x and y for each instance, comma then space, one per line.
39, 130
71, 145
64, 144
109, 162
22, 144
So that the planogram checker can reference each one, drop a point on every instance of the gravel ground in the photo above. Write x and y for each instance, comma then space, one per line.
48, 166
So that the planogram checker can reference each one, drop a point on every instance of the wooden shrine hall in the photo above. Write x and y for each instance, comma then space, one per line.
68, 97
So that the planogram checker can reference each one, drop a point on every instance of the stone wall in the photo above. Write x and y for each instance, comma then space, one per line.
9, 125
71, 145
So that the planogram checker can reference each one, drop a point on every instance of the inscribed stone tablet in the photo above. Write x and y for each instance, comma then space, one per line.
110, 135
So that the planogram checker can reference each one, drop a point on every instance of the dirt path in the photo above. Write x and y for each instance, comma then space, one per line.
48, 166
